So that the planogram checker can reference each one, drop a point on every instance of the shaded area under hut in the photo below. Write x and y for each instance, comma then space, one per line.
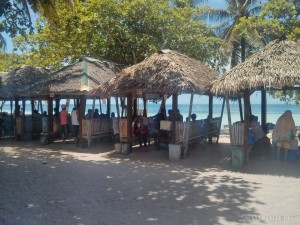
277, 67
74, 82
159, 76
11, 90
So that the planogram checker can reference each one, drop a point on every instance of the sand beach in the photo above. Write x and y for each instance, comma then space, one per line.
66, 185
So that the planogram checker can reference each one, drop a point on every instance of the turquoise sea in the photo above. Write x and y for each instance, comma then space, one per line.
273, 110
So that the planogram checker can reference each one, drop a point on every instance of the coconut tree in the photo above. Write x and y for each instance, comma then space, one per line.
227, 19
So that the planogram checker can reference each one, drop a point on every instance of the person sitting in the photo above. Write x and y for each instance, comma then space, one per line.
284, 132
89, 114
96, 114
193, 117
170, 115
261, 142
179, 116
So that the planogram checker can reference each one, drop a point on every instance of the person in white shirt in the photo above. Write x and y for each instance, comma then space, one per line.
75, 125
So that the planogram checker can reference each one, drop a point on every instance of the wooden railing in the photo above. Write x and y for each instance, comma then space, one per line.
96, 128
198, 131
165, 132
32, 125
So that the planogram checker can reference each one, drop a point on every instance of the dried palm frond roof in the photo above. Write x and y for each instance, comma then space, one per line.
277, 65
164, 72
20, 78
78, 78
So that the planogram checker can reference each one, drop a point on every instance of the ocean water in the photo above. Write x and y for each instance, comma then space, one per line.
201, 110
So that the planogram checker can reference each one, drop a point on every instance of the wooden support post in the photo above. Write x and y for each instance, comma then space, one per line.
50, 120
186, 137
117, 107
90, 127
32, 113
145, 105
264, 110
16, 114
108, 107
175, 116
210, 112
241, 109
229, 118
81, 116
23, 119
246, 124
129, 122
135, 108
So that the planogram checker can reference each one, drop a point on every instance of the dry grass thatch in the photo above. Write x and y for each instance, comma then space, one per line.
20, 78
78, 78
277, 65
165, 72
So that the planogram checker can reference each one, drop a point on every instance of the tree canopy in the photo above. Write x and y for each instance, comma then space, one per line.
122, 31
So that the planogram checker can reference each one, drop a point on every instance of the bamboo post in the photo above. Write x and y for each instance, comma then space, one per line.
210, 113
186, 134
81, 115
100, 105
117, 107
50, 119
175, 116
241, 109
129, 122
23, 119
264, 110
90, 128
229, 118
41, 104
108, 102
246, 124
145, 105
15, 116
222, 111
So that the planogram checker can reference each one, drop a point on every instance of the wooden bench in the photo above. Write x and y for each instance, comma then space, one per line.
165, 132
96, 128
198, 131
32, 126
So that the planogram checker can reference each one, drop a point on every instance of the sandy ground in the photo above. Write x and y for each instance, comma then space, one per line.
66, 185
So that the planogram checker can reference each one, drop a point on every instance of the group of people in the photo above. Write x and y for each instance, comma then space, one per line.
283, 135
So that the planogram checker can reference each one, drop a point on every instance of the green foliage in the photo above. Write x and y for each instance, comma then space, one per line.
288, 96
9, 61
278, 18
122, 31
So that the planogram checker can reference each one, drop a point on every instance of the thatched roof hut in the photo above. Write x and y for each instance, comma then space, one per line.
277, 65
165, 72
77, 79
20, 78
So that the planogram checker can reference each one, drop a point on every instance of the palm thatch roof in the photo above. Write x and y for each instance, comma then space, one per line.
165, 72
78, 78
20, 78
277, 65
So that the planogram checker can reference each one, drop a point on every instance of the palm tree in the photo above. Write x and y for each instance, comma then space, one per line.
228, 18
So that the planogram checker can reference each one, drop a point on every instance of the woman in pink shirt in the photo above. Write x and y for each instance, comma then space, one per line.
63, 116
